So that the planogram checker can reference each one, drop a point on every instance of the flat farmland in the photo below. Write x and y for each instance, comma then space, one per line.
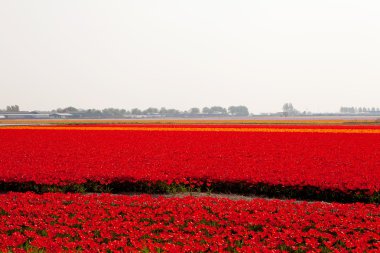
262, 120
333, 158
65, 164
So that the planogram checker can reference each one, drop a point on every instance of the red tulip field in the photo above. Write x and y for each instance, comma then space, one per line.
316, 188
73, 222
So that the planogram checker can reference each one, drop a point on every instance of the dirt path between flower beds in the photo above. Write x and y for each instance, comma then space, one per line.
197, 195
214, 195
204, 194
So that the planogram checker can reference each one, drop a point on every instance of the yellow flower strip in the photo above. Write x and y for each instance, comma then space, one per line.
203, 129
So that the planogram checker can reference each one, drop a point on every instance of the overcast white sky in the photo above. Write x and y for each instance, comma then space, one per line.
319, 55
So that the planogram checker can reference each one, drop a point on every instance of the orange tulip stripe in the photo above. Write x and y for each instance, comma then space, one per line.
205, 129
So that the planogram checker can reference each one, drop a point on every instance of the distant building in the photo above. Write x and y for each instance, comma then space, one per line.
23, 115
60, 115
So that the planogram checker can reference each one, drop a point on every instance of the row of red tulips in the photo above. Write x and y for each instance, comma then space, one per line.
57, 222
326, 161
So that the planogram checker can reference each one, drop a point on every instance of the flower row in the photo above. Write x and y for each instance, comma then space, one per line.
326, 161
57, 222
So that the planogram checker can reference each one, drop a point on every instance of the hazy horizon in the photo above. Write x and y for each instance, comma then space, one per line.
318, 55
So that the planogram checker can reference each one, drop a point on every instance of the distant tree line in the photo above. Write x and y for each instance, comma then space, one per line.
11, 108
355, 110
287, 110
151, 111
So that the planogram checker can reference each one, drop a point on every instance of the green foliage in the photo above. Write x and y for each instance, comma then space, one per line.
202, 185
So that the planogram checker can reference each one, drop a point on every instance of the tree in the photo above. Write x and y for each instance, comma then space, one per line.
285, 109
163, 111
194, 110
288, 109
150, 110
136, 111
173, 111
114, 112
13, 108
69, 109
93, 111
238, 110
206, 110
218, 110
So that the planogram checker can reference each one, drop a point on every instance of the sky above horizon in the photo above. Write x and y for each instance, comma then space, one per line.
318, 55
